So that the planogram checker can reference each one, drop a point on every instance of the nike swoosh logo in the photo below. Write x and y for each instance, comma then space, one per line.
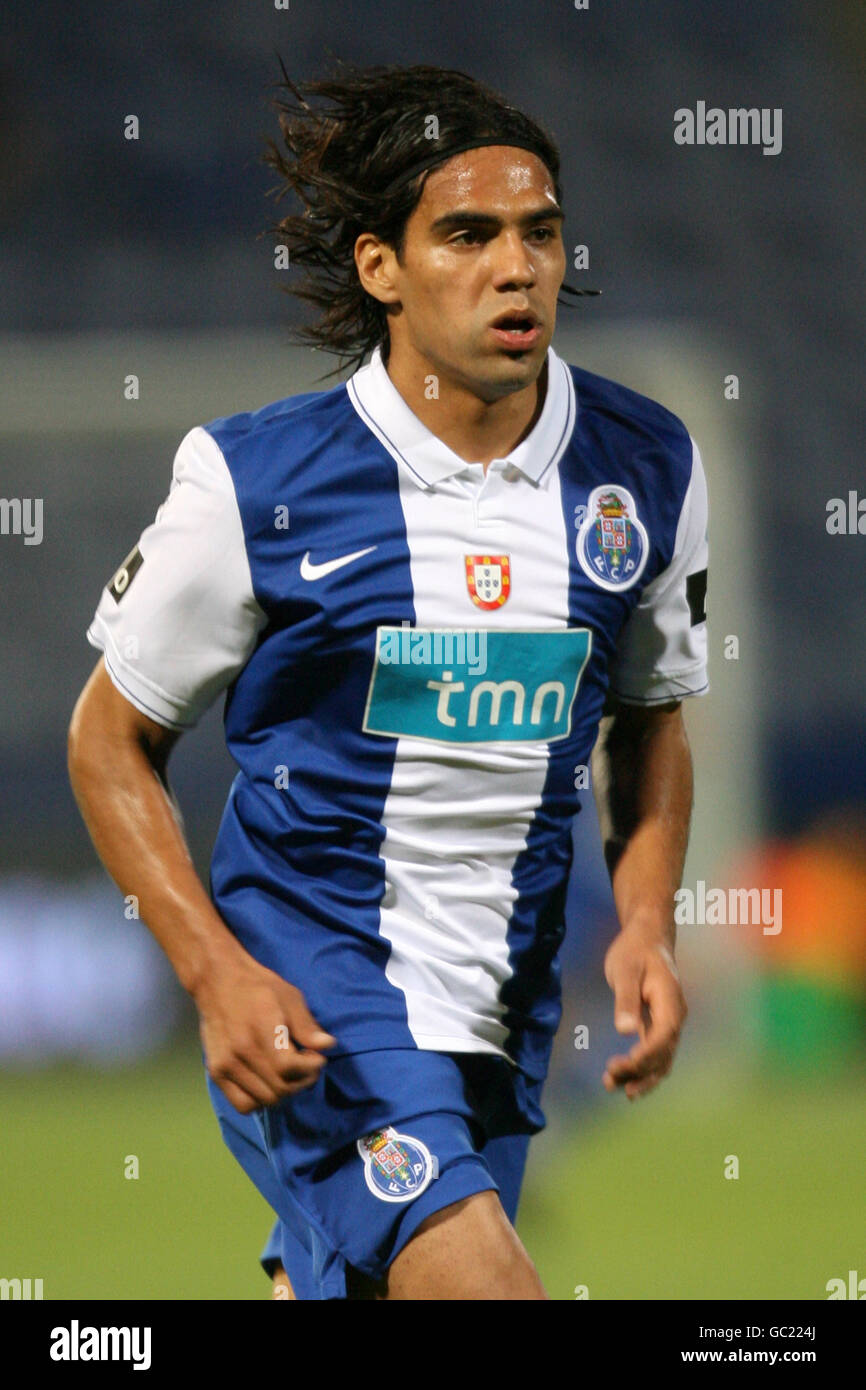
311, 571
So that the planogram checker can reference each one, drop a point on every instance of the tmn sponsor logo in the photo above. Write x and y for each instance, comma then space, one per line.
739, 125
528, 695
77, 1343
20, 1288
718, 907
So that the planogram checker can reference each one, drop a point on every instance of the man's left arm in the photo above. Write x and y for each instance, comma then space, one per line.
642, 782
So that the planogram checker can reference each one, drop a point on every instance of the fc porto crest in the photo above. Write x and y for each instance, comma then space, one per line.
488, 579
612, 543
396, 1166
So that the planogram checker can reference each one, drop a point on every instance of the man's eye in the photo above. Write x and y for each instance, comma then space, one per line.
471, 236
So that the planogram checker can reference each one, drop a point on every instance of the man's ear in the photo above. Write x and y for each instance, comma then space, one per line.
376, 262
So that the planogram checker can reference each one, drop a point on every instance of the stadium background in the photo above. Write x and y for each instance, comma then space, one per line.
144, 257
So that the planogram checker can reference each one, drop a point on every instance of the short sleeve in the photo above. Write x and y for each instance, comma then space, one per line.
662, 651
179, 619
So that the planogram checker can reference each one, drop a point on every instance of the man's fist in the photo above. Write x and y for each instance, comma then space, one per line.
260, 1040
649, 1001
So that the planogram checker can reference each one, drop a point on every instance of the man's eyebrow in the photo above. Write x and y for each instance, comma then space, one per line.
489, 219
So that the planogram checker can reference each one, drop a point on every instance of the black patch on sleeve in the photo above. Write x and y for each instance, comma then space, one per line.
696, 596
125, 574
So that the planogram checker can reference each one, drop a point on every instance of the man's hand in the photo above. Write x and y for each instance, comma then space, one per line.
260, 1040
648, 1000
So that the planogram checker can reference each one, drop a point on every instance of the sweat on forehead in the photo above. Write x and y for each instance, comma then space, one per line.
438, 156
517, 167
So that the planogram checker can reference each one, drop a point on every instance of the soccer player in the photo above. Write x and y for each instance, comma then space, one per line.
428, 593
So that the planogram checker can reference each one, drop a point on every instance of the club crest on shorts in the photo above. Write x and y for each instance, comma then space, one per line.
396, 1166
488, 579
612, 544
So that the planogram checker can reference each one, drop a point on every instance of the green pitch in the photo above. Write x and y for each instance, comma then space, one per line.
629, 1200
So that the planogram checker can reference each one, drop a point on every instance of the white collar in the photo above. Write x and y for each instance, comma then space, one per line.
428, 459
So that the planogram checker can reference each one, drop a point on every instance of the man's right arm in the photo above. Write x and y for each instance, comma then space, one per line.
117, 767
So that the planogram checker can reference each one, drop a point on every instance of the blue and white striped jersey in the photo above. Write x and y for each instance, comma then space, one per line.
415, 656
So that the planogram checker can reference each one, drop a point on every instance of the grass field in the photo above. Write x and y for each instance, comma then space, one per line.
629, 1200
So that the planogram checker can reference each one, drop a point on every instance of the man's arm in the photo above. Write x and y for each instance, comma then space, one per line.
642, 782
117, 768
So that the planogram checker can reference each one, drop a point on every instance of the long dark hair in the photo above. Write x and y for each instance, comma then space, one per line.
340, 159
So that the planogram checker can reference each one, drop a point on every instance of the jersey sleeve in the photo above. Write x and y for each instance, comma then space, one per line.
179, 618
662, 651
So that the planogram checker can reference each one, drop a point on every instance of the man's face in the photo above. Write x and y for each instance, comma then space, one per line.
485, 239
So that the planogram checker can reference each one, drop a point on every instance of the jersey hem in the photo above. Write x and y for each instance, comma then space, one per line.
444, 1042
678, 694
432, 1042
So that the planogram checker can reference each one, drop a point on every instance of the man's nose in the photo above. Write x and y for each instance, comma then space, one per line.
513, 260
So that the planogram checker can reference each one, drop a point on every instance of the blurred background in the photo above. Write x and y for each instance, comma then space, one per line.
743, 1175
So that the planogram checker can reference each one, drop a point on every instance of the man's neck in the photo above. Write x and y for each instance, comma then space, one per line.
476, 430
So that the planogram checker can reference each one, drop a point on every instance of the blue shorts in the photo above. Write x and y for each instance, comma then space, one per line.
353, 1165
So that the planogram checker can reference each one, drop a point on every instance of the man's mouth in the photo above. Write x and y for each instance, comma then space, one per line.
516, 329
